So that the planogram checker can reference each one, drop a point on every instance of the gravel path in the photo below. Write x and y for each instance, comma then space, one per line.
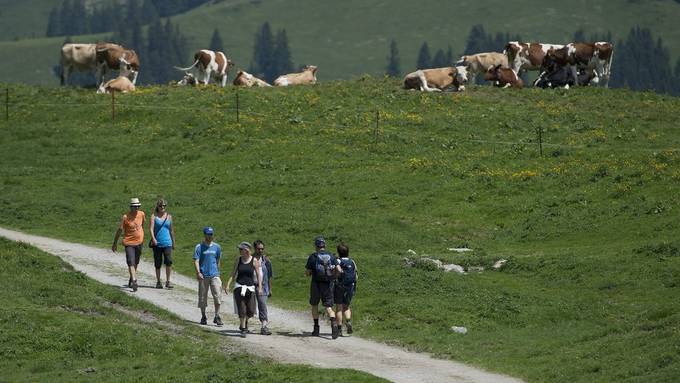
291, 342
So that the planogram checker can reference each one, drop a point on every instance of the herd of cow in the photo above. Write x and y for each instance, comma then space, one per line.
567, 65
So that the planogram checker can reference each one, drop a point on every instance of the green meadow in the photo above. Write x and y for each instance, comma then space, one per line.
589, 228
57, 325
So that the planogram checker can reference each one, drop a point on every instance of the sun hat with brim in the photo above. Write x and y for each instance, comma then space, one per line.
135, 202
244, 245
208, 230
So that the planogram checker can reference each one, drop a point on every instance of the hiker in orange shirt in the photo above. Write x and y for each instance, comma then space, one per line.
132, 226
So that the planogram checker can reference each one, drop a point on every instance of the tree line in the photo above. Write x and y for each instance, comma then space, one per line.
640, 62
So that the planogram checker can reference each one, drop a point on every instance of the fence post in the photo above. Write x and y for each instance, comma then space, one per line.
377, 125
238, 119
540, 141
6, 104
113, 105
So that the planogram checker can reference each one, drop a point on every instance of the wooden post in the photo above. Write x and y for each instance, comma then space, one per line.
238, 119
113, 105
540, 141
6, 104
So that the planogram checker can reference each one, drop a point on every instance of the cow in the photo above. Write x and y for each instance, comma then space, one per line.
596, 56
210, 64
121, 84
504, 77
527, 56
561, 76
188, 79
80, 57
481, 62
246, 79
437, 79
306, 77
115, 57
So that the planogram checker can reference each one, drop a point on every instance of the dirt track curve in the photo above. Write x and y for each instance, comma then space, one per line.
290, 343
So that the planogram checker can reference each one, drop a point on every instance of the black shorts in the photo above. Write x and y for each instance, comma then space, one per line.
321, 291
132, 254
343, 294
162, 255
245, 304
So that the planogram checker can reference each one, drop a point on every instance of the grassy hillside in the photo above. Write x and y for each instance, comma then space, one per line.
589, 229
59, 326
25, 19
349, 38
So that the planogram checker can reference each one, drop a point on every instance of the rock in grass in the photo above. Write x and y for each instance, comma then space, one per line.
459, 249
459, 329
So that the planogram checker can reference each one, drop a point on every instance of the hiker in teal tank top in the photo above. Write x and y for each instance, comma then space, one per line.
162, 242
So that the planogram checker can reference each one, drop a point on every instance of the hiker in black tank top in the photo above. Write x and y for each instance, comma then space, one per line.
247, 273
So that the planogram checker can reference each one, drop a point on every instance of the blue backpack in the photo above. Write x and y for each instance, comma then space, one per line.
349, 272
324, 269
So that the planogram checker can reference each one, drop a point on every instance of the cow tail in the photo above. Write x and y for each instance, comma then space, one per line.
188, 68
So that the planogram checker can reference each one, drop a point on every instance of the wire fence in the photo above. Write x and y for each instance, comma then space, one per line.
371, 117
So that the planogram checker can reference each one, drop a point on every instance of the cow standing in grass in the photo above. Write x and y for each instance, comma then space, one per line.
481, 62
116, 57
210, 64
437, 79
527, 56
595, 56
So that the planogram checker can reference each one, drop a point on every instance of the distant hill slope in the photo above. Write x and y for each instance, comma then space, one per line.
351, 37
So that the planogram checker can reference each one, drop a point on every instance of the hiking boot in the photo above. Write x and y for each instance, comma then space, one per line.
265, 331
315, 332
334, 329
244, 332
134, 285
130, 283
217, 320
204, 320
349, 327
169, 285
339, 331
159, 285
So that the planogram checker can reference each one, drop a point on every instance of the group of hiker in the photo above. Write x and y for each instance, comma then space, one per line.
333, 279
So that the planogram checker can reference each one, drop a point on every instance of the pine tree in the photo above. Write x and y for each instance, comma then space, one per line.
54, 23
424, 58
263, 52
66, 17
439, 59
477, 41
216, 42
149, 12
79, 19
449, 56
393, 68
281, 57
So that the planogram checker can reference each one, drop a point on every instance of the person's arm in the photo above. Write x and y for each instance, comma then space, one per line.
114, 247
172, 231
258, 275
270, 276
152, 226
356, 271
308, 270
197, 266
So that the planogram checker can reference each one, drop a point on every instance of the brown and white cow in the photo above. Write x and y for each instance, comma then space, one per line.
437, 79
246, 79
188, 79
306, 77
116, 57
481, 62
121, 84
527, 56
210, 64
595, 56
504, 77
80, 57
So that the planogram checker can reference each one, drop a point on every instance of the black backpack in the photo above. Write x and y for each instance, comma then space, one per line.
349, 271
324, 270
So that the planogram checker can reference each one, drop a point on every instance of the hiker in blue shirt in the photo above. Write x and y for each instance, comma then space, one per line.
323, 267
344, 288
207, 264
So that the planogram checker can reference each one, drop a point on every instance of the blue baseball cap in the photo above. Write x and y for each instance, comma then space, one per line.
208, 230
319, 241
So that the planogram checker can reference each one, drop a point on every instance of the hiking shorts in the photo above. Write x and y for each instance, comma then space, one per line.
162, 256
132, 254
343, 294
214, 284
245, 303
321, 292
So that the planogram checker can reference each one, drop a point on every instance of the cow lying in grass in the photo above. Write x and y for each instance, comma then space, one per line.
503, 77
479, 63
306, 77
437, 79
121, 84
246, 79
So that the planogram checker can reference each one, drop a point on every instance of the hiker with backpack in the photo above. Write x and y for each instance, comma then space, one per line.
344, 289
323, 267
266, 291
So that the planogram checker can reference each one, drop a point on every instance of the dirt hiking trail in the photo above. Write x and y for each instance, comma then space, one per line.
291, 341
